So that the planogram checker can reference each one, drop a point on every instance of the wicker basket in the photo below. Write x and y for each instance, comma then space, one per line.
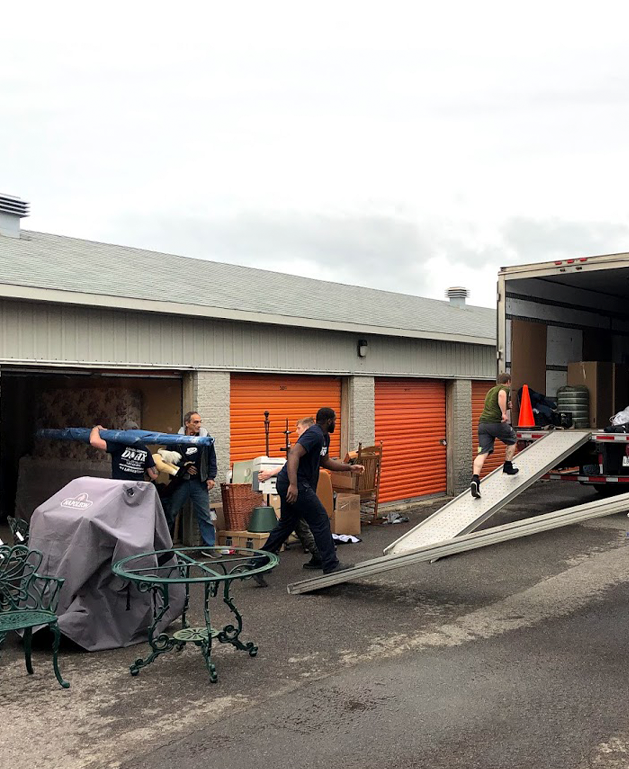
238, 502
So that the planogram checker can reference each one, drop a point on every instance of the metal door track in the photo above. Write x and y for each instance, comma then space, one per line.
507, 531
464, 513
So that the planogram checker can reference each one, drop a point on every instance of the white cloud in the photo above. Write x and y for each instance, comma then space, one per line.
400, 145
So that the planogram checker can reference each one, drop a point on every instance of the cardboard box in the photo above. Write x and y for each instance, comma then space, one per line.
325, 492
598, 377
346, 517
219, 523
241, 539
344, 481
276, 503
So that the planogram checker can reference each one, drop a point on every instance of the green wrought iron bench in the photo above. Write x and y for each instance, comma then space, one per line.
28, 600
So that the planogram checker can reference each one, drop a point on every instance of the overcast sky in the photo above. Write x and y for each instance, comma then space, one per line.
401, 145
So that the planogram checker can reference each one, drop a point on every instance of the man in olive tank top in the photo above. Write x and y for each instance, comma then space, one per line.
493, 423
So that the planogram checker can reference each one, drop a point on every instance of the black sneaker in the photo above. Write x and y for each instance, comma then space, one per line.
314, 563
509, 469
475, 488
259, 580
339, 567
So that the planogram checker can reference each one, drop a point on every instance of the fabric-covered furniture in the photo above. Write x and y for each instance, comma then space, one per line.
28, 600
109, 406
81, 531
53, 464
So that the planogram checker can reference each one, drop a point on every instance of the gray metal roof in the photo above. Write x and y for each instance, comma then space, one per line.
95, 273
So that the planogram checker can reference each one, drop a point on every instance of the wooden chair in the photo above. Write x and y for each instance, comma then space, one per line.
367, 485
28, 600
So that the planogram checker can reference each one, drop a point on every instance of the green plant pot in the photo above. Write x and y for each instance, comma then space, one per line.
263, 519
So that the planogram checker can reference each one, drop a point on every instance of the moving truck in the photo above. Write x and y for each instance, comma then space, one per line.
566, 322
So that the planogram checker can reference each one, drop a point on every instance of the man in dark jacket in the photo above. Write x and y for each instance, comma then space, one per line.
196, 482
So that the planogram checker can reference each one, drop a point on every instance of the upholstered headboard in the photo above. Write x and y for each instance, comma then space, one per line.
84, 407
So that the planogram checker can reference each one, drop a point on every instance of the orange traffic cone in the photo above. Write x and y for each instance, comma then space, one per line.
526, 418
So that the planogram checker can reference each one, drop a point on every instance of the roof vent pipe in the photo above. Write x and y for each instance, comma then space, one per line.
12, 209
457, 296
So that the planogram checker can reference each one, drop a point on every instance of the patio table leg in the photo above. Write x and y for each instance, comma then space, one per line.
231, 633
206, 645
159, 642
206, 649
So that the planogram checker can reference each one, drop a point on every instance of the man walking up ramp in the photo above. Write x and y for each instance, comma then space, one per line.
465, 513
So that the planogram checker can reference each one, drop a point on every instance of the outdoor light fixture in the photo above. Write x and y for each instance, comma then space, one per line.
363, 348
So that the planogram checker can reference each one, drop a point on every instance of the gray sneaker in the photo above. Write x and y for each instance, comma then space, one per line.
339, 567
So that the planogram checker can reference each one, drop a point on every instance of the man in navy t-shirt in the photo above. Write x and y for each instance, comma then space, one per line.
128, 463
297, 484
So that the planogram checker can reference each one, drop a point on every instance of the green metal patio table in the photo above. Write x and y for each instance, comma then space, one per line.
210, 567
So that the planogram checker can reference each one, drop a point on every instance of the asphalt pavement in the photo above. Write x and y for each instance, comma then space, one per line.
509, 656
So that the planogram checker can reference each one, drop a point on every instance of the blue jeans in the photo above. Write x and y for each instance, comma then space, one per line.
197, 492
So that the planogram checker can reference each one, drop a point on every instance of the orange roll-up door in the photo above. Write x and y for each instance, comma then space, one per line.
411, 423
283, 396
479, 391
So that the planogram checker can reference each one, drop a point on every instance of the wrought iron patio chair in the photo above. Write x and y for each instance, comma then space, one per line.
28, 600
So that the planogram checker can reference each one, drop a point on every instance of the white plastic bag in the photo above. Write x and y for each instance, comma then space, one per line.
621, 418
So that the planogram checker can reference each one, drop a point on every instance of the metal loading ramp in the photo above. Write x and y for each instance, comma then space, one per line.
571, 515
464, 513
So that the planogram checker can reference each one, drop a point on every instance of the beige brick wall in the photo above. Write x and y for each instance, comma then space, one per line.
361, 411
208, 392
459, 434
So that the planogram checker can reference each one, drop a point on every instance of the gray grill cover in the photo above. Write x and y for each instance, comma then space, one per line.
82, 530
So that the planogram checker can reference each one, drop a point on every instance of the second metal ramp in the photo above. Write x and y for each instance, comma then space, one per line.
375, 566
464, 513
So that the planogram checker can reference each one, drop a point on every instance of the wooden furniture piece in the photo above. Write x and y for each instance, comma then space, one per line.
367, 485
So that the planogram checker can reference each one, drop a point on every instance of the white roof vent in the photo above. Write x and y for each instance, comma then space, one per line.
457, 296
12, 209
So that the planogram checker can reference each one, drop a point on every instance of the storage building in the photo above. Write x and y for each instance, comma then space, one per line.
95, 333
